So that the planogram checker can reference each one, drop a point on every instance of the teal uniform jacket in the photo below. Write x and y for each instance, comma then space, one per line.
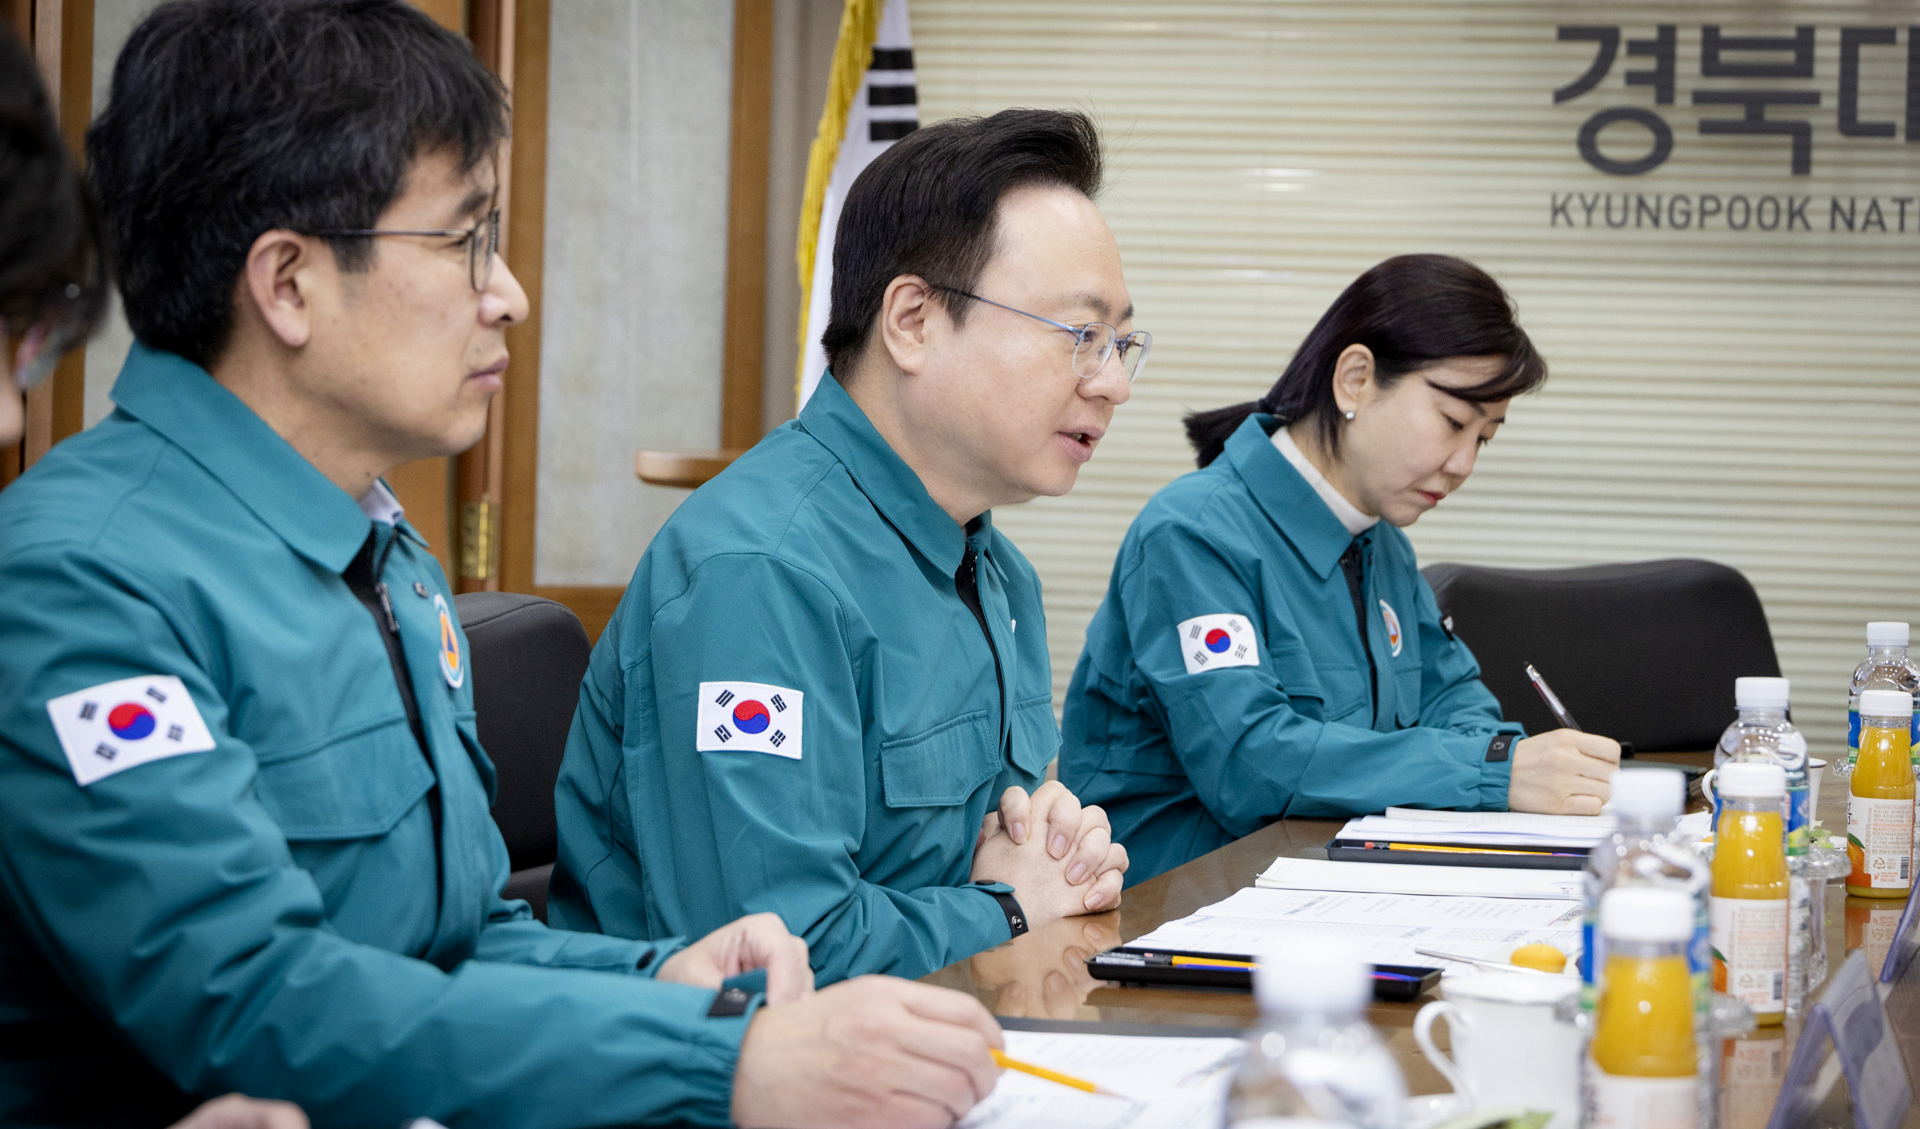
247, 893
1191, 742
794, 711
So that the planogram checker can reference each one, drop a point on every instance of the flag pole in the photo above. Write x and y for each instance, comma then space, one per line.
859, 27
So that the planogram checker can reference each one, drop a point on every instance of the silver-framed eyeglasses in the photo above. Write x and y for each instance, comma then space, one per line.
482, 242
1093, 342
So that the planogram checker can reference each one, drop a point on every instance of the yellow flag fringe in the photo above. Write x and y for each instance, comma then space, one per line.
852, 52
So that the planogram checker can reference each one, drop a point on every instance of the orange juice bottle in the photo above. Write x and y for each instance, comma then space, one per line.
1880, 798
1750, 888
1643, 1069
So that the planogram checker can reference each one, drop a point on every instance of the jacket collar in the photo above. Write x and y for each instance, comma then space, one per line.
884, 477
1288, 499
210, 425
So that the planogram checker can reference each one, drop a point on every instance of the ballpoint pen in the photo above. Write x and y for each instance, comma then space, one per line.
1547, 695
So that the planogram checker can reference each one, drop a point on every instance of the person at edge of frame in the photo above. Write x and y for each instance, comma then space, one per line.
52, 290
245, 841
1267, 646
830, 663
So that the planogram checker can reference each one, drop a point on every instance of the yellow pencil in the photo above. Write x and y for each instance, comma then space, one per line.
1469, 850
1052, 1075
1209, 962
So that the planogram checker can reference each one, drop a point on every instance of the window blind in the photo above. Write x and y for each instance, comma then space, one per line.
1733, 391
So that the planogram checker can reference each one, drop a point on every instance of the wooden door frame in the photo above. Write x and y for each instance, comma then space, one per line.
743, 351
61, 35
494, 486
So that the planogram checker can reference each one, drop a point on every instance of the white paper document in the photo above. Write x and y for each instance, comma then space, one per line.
1526, 822
1484, 829
1379, 928
1394, 878
1164, 1083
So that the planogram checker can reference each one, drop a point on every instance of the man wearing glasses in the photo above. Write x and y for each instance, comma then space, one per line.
826, 693
244, 831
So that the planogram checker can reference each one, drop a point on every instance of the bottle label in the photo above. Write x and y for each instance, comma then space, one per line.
1799, 829
1615, 1101
1750, 951
1589, 959
1880, 843
1853, 732
1700, 963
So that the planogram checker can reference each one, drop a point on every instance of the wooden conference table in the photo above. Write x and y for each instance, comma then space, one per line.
1043, 975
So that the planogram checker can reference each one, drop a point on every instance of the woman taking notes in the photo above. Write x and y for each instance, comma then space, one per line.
1267, 646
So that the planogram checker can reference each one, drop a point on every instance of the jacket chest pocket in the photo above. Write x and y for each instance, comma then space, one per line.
941, 767
1036, 737
355, 786
1408, 678
1316, 690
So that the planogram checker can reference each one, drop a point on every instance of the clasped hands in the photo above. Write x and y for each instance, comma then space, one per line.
1059, 857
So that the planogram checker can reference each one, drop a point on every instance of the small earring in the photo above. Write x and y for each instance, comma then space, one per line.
1349, 413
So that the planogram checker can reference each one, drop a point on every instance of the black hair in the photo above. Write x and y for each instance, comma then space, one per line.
1413, 312
49, 229
927, 206
229, 118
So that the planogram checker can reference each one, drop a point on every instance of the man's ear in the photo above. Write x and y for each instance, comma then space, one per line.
278, 280
906, 307
1352, 377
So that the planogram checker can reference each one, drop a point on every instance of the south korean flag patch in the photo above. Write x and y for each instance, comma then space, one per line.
749, 717
1212, 642
115, 726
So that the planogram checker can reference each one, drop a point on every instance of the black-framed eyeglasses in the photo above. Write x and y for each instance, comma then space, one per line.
480, 251
1093, 342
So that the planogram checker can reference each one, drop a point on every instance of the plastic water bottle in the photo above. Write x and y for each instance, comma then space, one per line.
1314, 1058
1643, 1063
1643, 851
1761, 733
1645, 802
1886, 667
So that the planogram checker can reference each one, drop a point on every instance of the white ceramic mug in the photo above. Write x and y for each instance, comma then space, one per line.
1507, 1045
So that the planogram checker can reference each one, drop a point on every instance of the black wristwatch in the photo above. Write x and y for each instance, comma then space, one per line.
1016, 917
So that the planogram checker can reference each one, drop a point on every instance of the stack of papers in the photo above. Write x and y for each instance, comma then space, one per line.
1445, 881
1163, 1083
1497, 829
1379, 928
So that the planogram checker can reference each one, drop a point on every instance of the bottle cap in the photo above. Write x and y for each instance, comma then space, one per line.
1759, 693
1751, 780
1883, 633
1311, 974
1886, 703
1648, 793
1647, 913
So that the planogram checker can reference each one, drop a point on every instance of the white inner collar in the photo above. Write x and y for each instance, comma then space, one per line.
1349, 514
380, 504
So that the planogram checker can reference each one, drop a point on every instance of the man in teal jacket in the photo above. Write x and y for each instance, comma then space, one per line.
244, 830
830, 663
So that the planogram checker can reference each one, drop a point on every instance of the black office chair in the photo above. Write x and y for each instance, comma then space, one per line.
528, 656
1644, 653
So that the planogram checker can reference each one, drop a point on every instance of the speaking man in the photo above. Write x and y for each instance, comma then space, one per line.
829, 663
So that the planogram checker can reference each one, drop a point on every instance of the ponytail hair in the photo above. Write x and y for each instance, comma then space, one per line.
1412, 312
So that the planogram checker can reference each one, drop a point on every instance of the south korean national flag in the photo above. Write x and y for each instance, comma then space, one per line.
1214, 642
115, 726
749, 717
